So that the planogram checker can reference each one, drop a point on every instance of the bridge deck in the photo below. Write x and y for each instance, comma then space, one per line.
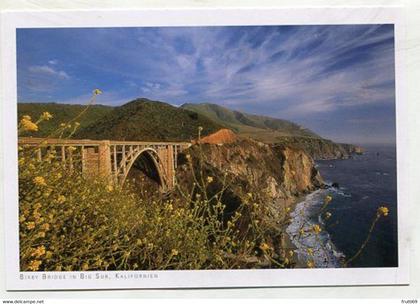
89, 142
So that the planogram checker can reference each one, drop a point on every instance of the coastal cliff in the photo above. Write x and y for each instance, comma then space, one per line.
319, 148
247, 171
278, 175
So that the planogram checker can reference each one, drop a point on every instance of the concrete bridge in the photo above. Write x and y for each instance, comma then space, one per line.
112, 159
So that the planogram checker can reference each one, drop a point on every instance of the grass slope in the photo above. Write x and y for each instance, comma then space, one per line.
262, 128
62, 113
147, 120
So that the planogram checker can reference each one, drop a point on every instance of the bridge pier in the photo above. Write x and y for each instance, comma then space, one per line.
97, 160
166, 155
104, 158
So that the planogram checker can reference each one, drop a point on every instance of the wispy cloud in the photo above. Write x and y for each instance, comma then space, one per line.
49, 71
293, 72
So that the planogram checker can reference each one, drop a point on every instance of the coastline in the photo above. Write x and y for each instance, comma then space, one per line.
286, 240
323, 253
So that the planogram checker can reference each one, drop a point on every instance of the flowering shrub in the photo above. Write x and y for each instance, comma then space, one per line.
71, 222
104, 227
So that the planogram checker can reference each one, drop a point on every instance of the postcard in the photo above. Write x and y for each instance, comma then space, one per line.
204, 148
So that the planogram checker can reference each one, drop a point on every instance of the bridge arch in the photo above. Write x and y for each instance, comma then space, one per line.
147, 156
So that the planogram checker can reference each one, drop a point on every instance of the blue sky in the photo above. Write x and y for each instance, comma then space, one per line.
337, 80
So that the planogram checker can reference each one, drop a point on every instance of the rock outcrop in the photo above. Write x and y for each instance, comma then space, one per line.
277, 174
223, 136
251, 172
320, 149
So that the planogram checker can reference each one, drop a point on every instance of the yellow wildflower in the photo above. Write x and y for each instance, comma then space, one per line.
264, 247
328, 199
109, 188
28, 125
61, 199
383, 211
310, 264
27, 117
174, 252
97, 92
310, 251
48, 255
291, 253
22, 218
34, 265
41, 234
46, 116
327, 215
30, 225
209, 179
85, 266
46, 226
71, 149
39, 251
317, 229
39, 181
301, 231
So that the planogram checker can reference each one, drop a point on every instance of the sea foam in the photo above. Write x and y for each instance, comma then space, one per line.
324, 254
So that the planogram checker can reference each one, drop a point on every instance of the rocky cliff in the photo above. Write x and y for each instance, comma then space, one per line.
260, 180
276, 174
319, 148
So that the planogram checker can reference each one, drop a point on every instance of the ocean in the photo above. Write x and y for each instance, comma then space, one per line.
365, 182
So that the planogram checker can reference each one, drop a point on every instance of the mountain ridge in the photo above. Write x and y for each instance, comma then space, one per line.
143, 119
62, 113
275, 131
259, 127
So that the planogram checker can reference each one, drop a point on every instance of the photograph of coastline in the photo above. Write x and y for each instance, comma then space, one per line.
222, 147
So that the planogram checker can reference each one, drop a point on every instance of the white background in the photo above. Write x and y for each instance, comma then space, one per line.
412, 60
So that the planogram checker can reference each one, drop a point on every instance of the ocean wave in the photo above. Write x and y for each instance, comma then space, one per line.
321, 249
339, 191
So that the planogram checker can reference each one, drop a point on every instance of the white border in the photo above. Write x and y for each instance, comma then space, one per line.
196, 17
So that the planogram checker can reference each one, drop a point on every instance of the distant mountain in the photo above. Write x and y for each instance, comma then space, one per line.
148, 120
262, 128
274, 131
62, 113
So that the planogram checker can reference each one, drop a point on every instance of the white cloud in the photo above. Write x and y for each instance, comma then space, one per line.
112, 98
48, 71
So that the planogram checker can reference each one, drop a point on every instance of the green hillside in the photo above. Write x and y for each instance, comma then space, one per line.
147, 120
62, 113
262, 128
